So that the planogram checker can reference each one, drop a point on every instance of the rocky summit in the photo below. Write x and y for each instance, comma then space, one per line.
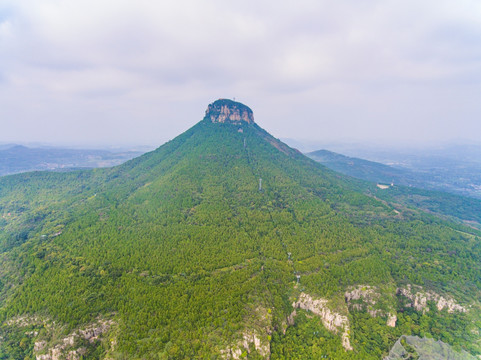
225, 110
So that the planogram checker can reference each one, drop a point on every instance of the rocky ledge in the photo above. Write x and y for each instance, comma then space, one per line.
229, 111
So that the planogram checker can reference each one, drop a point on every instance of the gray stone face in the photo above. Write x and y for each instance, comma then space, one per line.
419, 299
229, 111
333, 321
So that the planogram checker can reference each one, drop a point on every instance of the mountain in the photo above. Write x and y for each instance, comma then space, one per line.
17, 158
225, 243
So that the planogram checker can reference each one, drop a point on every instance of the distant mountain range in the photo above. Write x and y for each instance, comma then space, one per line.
17, 158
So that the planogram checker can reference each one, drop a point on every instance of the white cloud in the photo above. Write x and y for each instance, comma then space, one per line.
349, 61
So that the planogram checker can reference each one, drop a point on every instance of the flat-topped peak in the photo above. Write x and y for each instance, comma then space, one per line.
225, 110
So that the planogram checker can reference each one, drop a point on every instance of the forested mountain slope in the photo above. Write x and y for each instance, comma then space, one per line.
225, 243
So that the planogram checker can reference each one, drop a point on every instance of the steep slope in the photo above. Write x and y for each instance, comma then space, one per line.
222, 243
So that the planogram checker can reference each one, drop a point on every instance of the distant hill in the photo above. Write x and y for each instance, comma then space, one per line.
424, 172
225, 243
363, 169
17, 158
7, 146
409, 188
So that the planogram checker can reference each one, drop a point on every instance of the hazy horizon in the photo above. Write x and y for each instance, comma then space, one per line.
304, 145
124, 74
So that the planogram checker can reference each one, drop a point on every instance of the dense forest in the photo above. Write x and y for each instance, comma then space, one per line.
206, 248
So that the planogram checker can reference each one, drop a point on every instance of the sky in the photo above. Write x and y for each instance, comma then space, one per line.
99, 72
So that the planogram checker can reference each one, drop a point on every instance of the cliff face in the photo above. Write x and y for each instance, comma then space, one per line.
333, 321
418, 299
225, 110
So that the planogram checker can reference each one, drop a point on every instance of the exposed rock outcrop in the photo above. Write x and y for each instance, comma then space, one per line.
66, 348
333, 321
39, 345
29, 320
391, 320
249, 337
262, 347
93, 332
419, 299
366, 297
225, 110
58, 353
257, 335
69, 347
291, 318
363, 297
